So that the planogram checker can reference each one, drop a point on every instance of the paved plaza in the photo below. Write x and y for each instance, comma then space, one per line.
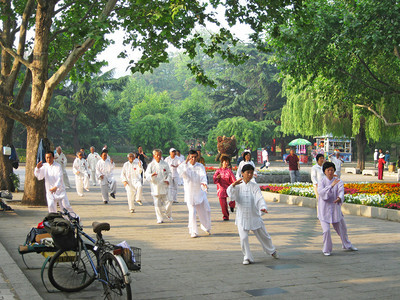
175, 266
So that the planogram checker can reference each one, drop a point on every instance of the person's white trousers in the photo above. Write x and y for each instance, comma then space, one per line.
263, 237
203, 210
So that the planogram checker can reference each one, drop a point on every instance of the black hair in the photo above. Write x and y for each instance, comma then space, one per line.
247, 167
328, 165
191, 151
50, 152
245, 153
318, 156
104, 151
225, 158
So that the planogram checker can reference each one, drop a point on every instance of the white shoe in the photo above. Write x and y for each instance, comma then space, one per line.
194, 235
275, 255
327, 253
352, 248
139, 202
246, 262
132, 211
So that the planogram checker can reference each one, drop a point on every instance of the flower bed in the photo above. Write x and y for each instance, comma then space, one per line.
370, 194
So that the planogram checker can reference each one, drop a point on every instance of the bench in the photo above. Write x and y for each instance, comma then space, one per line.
352, 170
370, 172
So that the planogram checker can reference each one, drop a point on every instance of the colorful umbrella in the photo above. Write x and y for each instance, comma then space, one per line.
298, 142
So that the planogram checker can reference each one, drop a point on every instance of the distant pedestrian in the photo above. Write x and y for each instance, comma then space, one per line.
381, 166
376, 158
294, 166
173, 162
338, 161
317, 173
387, 159
84, 155
223, 178
331, 198
92, 160
398, 169
200, 158
105, 176
265, 158
60, 158
81, 172
246, 160
132, 180
250, 207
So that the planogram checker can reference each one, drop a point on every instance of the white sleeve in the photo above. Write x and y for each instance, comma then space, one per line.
39, 173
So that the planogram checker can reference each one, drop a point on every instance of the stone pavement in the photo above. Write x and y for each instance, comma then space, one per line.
175, 266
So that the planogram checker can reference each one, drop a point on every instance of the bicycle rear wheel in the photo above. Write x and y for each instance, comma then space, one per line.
113, 279
71, 271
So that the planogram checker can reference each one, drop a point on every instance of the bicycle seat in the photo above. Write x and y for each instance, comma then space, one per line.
99, 227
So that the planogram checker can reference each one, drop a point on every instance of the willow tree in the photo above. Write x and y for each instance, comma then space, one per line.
67, 35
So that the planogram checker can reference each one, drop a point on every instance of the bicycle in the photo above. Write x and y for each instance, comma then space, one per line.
71, 270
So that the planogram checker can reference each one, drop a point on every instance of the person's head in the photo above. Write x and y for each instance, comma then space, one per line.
49, 157
157, 154
82, 150
79, 154
178, 152
172, 152
92, 149
329, 169
387, 151
320, 159
247, 172
291, 151
380, 150
140, 149
246, 156
131, 157
337, 153
59, 150
104, 154
376, 150
225, 160
192, 157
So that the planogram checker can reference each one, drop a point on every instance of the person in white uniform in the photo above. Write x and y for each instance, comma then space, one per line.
250, 207
173, 162
80, 169
132, 180
182, 159
60, 158
159, 176
338, 161
195, 185
317, 173
246, 160
92, 160
52, 174
105, 176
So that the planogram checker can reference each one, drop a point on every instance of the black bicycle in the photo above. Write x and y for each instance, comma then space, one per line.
71, 270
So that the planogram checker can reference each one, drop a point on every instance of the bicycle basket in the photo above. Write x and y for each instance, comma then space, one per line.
61, 231
133, 261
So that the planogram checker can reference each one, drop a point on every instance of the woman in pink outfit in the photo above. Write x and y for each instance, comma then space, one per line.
223, 178
381, 166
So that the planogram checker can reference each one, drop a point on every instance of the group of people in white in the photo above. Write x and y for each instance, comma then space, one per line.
164, 176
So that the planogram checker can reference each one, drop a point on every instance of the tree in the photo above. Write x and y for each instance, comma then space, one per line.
65, 31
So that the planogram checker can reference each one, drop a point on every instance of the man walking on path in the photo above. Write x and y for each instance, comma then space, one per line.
338, 161
159, 176
376, 157
104, 173
60, 158
81, 172
92, 160
173, 162
194, 178
265, 158
52, 174
132, 180
294, 166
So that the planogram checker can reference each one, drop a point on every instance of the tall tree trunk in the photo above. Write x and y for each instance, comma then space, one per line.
6, 129
361, 141
74, 127
34, 191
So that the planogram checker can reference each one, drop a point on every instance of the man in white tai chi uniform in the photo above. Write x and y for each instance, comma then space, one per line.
52, 174
195, 184
173, 162
105, 176
132, 180
81, 172
60, 158
159, 176
92, 160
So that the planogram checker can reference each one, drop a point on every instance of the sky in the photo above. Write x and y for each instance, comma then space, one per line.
119, 65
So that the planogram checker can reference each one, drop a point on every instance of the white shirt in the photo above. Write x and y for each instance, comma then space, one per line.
157, 182
264, 155
131, 173
376, 155
61, 159
104, 168
92, 159
171, 163
338, 163
193, 177
53, 176
249, 201
80, 165
316, 174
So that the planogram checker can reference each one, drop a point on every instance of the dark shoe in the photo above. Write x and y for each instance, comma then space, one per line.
232, 209
105, 202
226, 219
112, 195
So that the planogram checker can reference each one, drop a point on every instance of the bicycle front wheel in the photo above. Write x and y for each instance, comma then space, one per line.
71, 271
113, 278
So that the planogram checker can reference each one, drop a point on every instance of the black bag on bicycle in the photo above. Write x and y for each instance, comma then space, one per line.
61, 231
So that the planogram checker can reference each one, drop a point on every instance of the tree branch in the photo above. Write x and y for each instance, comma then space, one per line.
378, 115
361, 81
396, 52
13, 54
17, 115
